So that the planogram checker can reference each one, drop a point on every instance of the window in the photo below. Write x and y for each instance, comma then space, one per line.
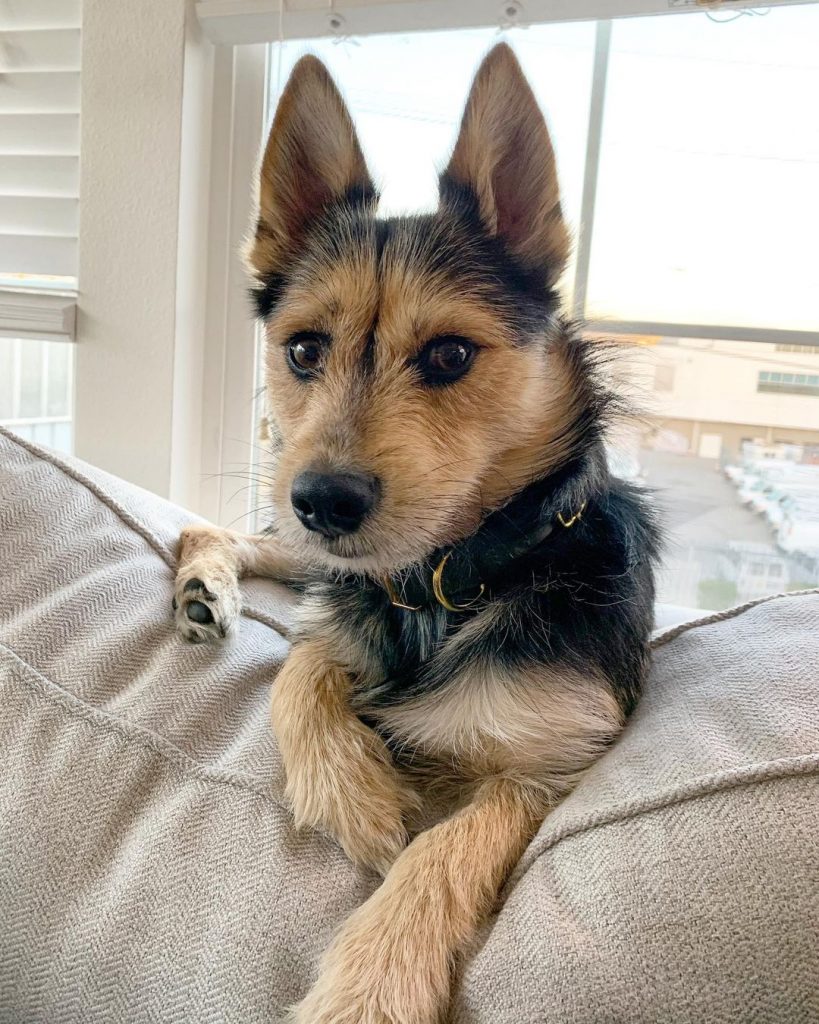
706, 154
39, 142
35, 390
799, 349
735, 470
789, 383
664, 377
39, 203
705, 209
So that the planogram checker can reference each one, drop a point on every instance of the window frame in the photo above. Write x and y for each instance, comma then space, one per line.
230, 77
231, 23
235, 22
231, 339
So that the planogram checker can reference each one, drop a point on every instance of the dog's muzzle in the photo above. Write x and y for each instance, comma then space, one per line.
334, 504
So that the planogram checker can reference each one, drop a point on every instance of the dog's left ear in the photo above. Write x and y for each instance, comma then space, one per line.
504, 158
312, 160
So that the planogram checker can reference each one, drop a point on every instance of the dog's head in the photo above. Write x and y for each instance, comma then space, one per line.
413, 369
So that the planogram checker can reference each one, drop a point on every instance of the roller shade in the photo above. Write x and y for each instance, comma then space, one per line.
39, 136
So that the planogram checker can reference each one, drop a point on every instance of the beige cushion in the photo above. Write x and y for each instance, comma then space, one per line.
148, 871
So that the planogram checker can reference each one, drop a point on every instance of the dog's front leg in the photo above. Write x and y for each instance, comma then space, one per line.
340, 776
211, 561
392, 961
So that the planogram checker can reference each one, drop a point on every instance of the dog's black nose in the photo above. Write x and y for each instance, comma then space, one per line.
333, 503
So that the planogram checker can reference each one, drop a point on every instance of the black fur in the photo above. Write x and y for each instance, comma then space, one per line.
265, 297
584, 596
451, 242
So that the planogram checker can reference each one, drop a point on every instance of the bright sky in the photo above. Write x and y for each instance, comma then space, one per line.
708, 195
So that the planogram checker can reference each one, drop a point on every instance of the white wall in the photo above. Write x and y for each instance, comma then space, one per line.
143, 231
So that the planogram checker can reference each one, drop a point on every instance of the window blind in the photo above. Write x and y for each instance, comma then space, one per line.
39, 137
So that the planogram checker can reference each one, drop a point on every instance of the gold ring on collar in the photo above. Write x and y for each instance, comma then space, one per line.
570, 522
438, 590
393, 596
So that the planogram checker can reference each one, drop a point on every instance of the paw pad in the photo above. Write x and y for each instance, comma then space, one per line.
197, 584
199, 612
203, 614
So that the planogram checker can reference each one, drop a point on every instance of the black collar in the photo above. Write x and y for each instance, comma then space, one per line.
459, 577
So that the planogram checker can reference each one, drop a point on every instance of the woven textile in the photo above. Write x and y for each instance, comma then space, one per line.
148, 871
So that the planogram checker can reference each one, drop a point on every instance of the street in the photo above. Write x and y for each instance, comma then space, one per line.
700, 504
718, 553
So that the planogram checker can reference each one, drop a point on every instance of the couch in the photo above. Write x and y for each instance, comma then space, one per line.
149, 870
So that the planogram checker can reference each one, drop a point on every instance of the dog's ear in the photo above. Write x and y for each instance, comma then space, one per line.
311, 160
504, 159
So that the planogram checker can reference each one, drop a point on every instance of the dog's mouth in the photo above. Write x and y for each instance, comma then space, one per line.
377, 548
347, 549
355, 522
354, 553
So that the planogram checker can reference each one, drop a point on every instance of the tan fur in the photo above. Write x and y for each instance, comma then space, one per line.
504, 152
339, 773
229, 552
392, 961
512, 741
537, 725
312, 157
219, 558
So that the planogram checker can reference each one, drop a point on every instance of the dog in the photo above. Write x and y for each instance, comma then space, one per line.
478, 589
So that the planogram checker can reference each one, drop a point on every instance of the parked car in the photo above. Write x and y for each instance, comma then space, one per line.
786, 475
775, 511
799, 503
749, 487
766, 496
799, 531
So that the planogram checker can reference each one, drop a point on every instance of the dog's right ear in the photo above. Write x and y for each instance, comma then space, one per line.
312, 159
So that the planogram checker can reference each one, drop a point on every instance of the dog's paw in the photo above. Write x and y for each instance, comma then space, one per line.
379, 969
370, 829
325, 1009
373, 840
347, 786
205, 608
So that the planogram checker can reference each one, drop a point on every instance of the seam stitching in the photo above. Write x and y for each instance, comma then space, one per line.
696, 789
53, 693
156, 545
727, 613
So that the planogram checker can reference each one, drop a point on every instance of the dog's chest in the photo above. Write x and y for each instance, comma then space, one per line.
422, 681
451, 692
398, 650
480, 691
391, 653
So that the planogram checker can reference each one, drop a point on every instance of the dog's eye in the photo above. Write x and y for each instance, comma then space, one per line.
305, 354
445, 360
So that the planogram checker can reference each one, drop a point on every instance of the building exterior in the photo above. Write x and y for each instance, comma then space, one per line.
707, 397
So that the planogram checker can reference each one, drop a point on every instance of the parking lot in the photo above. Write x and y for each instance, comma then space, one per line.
719, 553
